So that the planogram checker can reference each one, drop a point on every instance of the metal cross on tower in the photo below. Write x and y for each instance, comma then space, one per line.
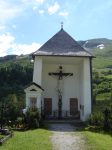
62, 25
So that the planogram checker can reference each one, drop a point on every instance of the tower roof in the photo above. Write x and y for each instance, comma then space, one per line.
62, 44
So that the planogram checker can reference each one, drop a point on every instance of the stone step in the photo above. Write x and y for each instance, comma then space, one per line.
71, 121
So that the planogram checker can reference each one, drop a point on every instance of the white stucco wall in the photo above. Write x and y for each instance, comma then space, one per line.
33, 94
85, 88
70, 85
37, 72
76, 86
81, 86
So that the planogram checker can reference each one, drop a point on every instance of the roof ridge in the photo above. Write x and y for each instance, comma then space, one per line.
47, 41
78, 43
62, 44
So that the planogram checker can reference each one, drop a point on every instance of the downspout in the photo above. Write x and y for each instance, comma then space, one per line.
91, 85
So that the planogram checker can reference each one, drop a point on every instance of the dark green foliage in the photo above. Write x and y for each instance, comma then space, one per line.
111, 96
35, 123
32, 115
102, 119
41, 122
8, 57
107, 118
15, 109
94, 97
14, 78
17, 122
96, 119
9, 132
101, 84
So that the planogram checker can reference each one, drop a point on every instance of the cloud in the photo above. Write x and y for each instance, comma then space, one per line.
52, 9
64, 14
35, 7
37, 2
7, 42
8, 11
14, 26
41, 11
24, 49
2, 27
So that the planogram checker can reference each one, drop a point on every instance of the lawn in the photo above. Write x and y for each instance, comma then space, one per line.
94, 139
2, 136
37, 139
97, 140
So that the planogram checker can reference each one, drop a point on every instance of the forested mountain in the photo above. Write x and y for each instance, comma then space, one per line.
8, 57
95, 44
14, 76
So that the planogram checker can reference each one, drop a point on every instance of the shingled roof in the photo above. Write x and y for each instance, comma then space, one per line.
62, 44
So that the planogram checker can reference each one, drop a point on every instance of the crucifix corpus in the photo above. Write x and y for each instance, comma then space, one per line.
60, 77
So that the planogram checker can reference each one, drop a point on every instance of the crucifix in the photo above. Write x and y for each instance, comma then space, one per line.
60, 77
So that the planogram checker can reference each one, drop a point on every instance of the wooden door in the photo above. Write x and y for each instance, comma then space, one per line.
73, 106
48, 106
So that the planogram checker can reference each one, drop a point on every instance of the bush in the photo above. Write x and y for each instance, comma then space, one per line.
102, 120
33, 116
35, 123
9, 132
96, 119
41, 122
18, 121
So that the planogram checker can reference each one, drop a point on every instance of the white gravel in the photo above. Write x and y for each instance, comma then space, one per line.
64, 139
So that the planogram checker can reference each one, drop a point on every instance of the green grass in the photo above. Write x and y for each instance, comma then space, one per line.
101, 62
97, 140
2, 136
37, 139
94, 139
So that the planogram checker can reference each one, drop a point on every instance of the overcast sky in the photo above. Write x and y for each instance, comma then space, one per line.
25, 25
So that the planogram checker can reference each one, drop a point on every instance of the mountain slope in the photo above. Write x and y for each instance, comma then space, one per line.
102, 49
101, 43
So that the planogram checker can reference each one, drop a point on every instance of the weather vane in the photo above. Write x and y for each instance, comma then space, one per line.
62, 25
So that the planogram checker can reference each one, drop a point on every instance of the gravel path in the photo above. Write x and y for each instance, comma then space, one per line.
64, 139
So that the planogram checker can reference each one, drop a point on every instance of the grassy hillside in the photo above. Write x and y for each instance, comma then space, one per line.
103, 58
93, 43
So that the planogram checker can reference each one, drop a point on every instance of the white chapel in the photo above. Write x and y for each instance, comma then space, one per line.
62, 79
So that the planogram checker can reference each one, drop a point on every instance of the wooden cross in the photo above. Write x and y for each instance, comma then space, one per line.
60, 74
60, 78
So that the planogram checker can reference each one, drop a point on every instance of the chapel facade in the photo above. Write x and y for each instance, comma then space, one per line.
62, 79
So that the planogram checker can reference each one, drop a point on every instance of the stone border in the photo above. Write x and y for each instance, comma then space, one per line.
20, 129
6, 138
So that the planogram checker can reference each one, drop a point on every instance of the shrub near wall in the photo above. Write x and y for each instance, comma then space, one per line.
102, 119
33, 117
